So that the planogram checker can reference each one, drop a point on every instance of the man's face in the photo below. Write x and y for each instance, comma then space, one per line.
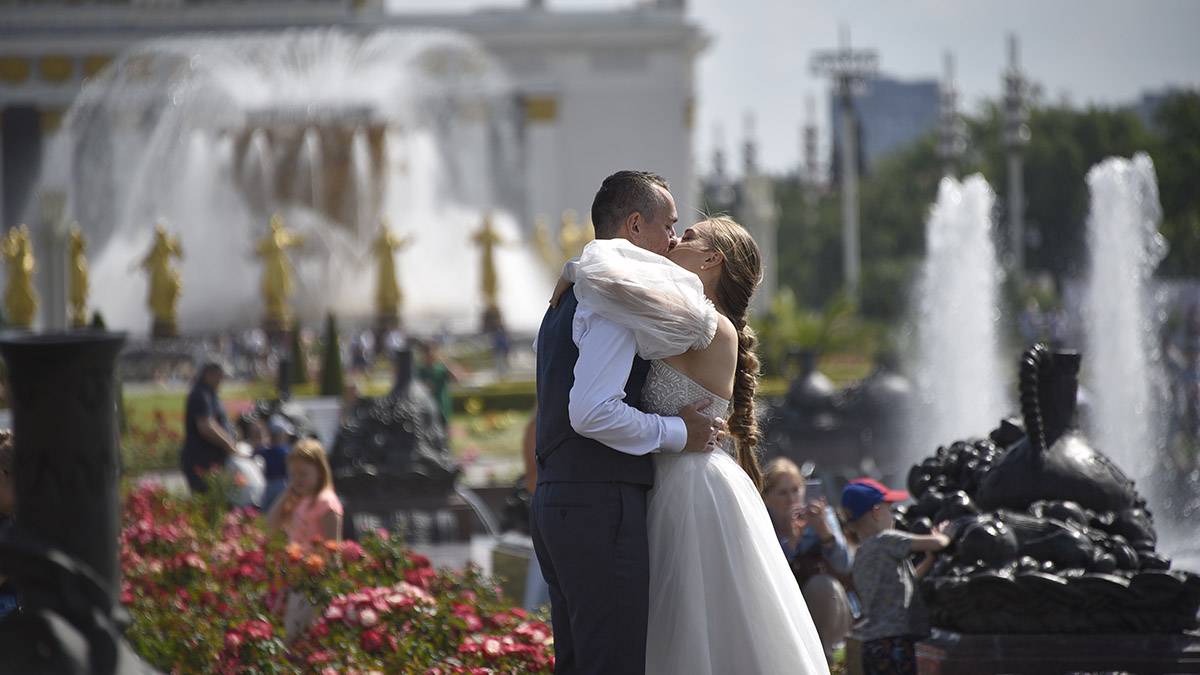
657, 235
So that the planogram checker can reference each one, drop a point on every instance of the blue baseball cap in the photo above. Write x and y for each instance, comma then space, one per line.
859, 497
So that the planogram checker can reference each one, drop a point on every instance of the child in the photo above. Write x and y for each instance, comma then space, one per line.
274, 456
885, 579
8, 594
309, 510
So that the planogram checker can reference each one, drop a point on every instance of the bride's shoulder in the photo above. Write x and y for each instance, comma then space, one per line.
726, 331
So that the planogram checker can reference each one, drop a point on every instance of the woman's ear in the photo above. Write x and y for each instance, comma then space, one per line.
714, 258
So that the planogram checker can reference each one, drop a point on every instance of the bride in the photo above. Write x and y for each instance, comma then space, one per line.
722, 598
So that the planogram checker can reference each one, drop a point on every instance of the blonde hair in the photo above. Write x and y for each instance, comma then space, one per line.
310, 450
777, 469
740, 276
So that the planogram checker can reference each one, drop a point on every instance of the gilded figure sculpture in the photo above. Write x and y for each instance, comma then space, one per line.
162, 295
277, 282
487, 240
388, 296
78, 282
20, 298
572, 237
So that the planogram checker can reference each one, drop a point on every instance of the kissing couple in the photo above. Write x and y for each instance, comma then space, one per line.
647, 520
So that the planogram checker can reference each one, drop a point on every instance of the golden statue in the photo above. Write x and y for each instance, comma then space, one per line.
277, 271
78, 284
163, 292
488, 240
20, 299
545, 249
572, 237
388, 297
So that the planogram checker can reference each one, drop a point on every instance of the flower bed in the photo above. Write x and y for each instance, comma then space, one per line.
207, 590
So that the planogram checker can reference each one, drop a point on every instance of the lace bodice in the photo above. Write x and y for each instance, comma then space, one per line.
667, 390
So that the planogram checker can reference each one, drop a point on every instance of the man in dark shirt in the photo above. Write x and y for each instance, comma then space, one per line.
208, 439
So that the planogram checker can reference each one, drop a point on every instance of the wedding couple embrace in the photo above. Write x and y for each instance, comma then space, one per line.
647, 520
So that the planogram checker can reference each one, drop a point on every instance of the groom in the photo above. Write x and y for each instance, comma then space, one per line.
594, 469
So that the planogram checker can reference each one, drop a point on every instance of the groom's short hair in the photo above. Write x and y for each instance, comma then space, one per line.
623, 193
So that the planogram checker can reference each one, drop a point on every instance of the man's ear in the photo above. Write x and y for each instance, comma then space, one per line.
634, 223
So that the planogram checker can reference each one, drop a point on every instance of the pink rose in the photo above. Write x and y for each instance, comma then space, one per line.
368, 617
491, 647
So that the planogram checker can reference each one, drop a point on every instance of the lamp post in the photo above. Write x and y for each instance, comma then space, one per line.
850, 69
952, 140
1016, 137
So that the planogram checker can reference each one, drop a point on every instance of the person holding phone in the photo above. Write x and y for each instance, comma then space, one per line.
815, 547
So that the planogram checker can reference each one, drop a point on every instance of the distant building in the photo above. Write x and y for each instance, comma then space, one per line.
595, 91
1146, 108
891, 113
574, 71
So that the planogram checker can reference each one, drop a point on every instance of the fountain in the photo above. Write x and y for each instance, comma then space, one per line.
1121, 327
333, 130
1050, 538
957, 368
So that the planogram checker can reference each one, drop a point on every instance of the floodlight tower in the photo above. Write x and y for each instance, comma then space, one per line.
1016, 137
952, 142
849, 69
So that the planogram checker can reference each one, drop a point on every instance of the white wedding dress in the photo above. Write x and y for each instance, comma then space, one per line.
722, 597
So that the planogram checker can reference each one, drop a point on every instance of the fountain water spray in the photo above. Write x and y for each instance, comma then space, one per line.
1122, 363
332, 129
959, 373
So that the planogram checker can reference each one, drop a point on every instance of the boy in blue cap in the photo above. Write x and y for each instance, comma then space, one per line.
885, 578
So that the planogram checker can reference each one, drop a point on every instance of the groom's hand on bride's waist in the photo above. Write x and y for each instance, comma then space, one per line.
704, 432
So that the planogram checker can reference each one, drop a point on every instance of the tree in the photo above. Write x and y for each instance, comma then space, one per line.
1177, 163
332, 378
299, 358
1065, 143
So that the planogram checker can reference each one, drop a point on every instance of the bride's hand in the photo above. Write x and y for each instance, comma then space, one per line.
562, 287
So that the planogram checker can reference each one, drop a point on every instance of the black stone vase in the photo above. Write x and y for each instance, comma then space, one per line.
62, 553
66, 444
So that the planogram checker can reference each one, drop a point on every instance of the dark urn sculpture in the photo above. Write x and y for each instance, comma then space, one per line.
62, 552
1049, 536
837, 428
391, 461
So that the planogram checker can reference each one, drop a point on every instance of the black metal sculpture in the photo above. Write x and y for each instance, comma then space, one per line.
1049, 535
62, 553
391, 459
837, 428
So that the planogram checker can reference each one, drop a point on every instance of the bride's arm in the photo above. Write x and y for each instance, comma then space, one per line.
663, 304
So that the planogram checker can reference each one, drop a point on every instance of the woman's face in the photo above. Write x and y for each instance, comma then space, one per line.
693, 251
305, 477
785, 499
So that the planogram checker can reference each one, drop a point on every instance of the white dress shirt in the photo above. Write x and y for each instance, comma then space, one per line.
597, 407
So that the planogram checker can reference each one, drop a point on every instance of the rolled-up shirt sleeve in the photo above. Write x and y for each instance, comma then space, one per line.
597, 407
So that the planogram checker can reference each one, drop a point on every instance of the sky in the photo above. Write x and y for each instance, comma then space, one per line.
1102, 52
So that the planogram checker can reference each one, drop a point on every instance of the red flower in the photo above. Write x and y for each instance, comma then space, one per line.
233, 640
419, 561
258, 629
372, 640
320, 656
321, 629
